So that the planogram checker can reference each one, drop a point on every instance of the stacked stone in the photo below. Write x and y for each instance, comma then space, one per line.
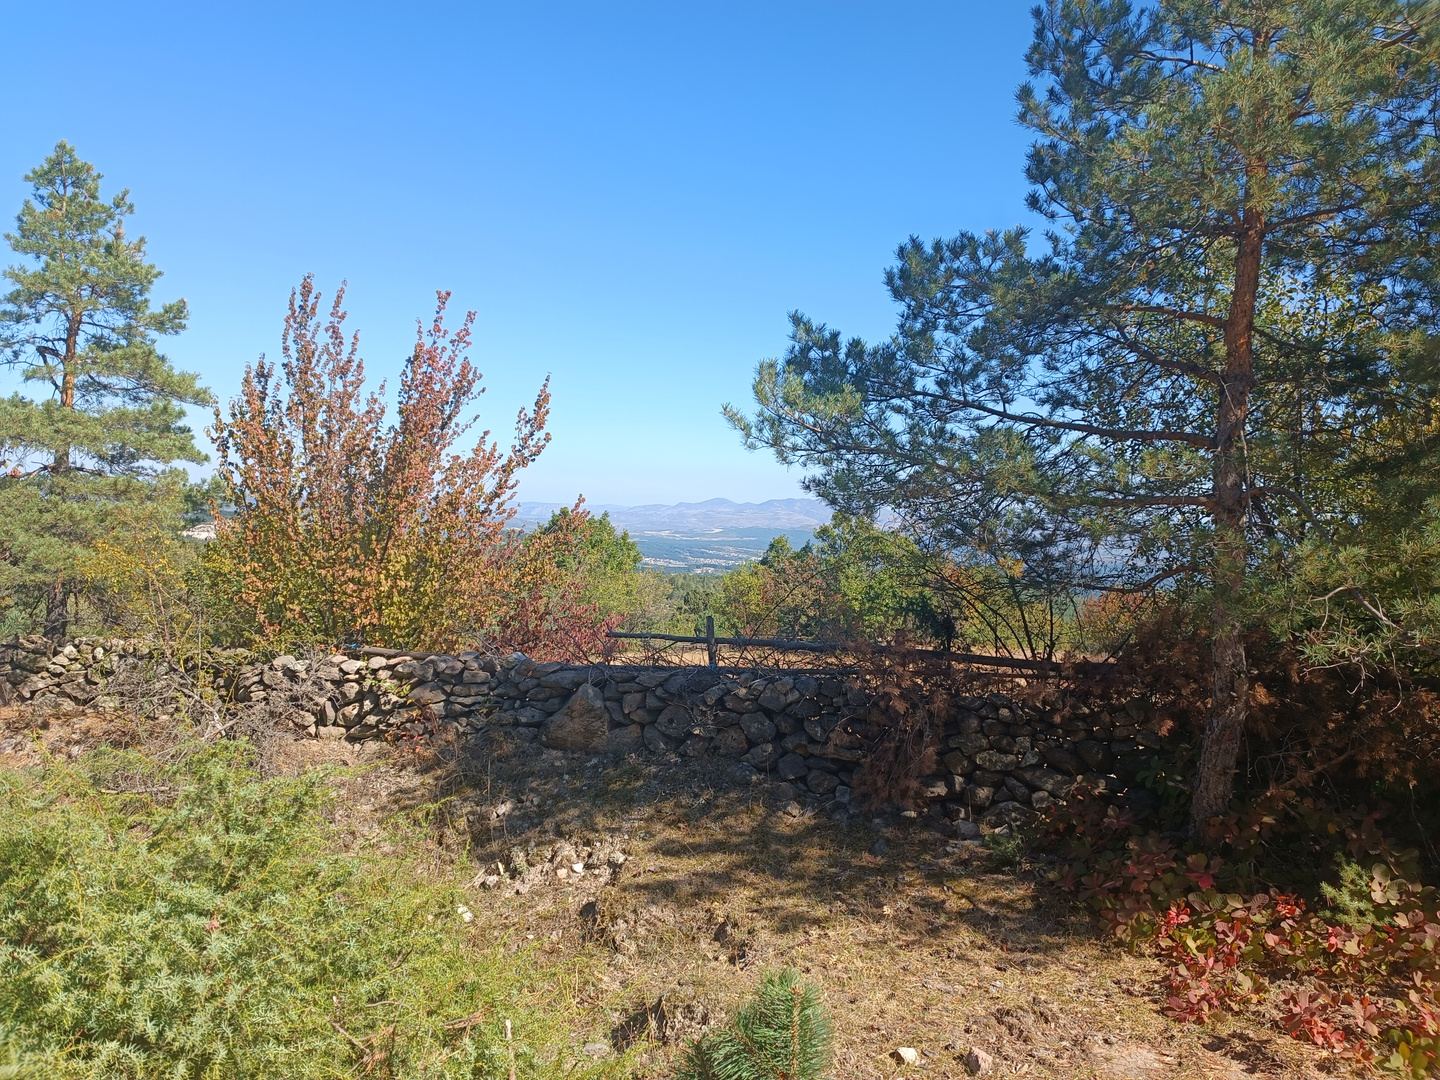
999, 760
34, 669
806, 730
1003, 759
366, 697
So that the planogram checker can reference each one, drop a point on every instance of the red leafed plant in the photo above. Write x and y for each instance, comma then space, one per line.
1365, 988
343, 529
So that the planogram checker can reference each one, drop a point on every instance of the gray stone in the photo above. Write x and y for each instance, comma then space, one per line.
1053, 783
979, 796
1061, 758
772, 698
730, 742
1094, 753
957, 763
352, 667
1007, 813
657, 740
1017, 788
675, 721
879, 848
427, 693
530, 717
742, 773
791, 766
842, 795
757, 727
967, 830
565, 679
995, 761
970, 742
933, 787
760, 756
633, 702
581, 724
820, 782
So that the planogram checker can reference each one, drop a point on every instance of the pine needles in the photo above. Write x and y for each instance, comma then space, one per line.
784, 1033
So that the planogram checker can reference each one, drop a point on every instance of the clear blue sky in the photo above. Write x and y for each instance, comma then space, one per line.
631, 196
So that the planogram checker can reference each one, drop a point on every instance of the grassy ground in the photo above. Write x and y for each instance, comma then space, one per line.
691, 888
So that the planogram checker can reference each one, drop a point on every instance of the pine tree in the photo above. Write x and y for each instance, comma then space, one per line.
95, 449
783, 1033
1237, 288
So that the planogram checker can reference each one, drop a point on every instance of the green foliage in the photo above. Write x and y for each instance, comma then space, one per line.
855, 582
80, 326
212, 925
783, 1033
606, 562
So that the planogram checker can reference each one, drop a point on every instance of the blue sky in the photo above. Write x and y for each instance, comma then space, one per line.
631, 196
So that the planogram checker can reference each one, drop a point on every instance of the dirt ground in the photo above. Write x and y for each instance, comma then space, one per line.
690, 887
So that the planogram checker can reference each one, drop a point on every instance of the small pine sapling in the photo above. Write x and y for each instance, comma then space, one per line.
784, 1033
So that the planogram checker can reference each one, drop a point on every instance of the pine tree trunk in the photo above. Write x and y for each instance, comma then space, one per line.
1230, 681
57, 603
57, 612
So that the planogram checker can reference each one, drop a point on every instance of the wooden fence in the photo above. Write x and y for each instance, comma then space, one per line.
712, 648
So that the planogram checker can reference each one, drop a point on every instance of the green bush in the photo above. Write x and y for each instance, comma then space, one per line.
209, 924
783, 1033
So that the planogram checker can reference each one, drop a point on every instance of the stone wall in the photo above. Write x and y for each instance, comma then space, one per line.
998, 759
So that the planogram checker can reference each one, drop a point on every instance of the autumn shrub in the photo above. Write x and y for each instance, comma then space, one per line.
210, 922
1353, 967
348, 530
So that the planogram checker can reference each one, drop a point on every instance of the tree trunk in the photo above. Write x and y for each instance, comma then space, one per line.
1230, 679
57, 603
57, 612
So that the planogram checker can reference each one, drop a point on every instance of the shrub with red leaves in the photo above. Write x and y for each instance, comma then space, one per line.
1366, 988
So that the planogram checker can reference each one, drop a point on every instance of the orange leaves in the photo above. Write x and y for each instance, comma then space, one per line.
346, 530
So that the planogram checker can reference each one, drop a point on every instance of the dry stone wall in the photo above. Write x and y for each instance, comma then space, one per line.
999, 759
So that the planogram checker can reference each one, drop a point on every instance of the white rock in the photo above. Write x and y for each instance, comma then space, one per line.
908, 1055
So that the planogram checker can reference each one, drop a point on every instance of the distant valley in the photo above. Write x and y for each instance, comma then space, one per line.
703, 537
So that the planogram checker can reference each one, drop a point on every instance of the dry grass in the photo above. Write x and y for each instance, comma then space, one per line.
931, 945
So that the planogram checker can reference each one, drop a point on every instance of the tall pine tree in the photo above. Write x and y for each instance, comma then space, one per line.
1238, 286
95, 444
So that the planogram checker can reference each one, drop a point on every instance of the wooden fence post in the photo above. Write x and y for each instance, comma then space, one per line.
710, 647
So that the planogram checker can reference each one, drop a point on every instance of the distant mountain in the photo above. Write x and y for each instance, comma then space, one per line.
779, 514
704, 537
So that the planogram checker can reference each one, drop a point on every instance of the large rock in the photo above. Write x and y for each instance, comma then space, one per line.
581, 724
792, 766
994, 761
757, 728
675, 721
427, 694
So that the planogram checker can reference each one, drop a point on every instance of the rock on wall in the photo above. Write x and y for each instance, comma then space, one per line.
999, 759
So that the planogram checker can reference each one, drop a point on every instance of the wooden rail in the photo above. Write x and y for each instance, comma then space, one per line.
712, 644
